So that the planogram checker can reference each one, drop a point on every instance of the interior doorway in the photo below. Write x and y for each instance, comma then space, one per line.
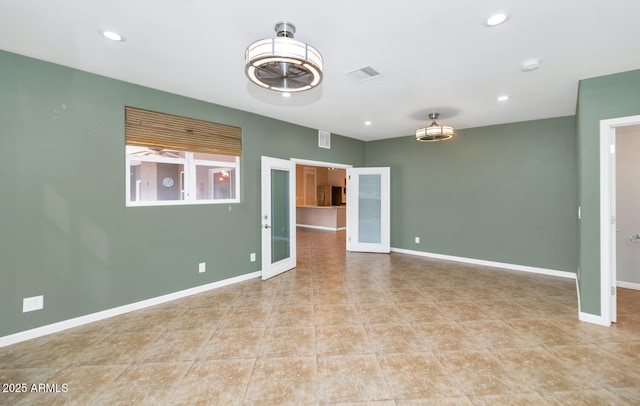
627, 207
321, 197
608, 215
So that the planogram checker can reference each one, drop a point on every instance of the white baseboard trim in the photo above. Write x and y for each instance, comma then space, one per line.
592, 318
89, 318
628, 285
321, 228
514, 267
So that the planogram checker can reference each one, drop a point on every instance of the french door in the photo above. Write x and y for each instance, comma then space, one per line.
278, 221
368, 209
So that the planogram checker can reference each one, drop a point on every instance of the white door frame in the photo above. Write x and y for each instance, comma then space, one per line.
608, 308
266, 257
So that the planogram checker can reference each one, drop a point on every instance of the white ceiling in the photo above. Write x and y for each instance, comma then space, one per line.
436, 56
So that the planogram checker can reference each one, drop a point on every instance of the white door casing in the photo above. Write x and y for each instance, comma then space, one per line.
608, 306
627, 195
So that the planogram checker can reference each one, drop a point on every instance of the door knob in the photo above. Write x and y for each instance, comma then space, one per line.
267, 226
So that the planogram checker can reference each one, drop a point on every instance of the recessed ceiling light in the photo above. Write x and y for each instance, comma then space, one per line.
286, 94
497, 19
367, 123
112, 35
502, 98
530, 64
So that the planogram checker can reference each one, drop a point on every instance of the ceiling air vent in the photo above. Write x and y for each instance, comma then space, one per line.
363, 74
324, 139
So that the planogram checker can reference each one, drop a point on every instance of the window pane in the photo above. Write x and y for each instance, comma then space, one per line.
152, 181
370, 212
280, 235
145, 151
214, 183
214, 157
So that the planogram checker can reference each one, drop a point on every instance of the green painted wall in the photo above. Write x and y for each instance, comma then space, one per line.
504, 193
65, 232
599, 98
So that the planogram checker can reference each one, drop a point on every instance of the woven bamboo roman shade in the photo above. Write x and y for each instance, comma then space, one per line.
146, 128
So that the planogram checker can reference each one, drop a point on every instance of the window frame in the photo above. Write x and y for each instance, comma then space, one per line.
186, 180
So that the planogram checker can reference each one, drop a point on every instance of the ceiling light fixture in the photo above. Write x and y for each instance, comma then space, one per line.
530, 65
283, 64
367, 123
502, 98
435, 131
112, 35
496, 19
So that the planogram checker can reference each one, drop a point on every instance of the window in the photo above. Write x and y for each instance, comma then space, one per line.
176, 160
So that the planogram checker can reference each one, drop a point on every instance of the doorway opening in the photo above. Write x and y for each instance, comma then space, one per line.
608, 215
321, 196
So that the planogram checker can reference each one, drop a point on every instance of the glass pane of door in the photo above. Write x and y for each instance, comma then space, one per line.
280, 226
370, 209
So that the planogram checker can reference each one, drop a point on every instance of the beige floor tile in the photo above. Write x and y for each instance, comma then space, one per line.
392, 338
474, 361
422, 312
255, 299
512, 399
596, 397
176, 346
277, 381
216, 382
487, 382
332, 297
527, 357
78, 385
59, 351
342, 340
292, 316
118, 348
22, 380
416, 376
233, 343
492, 334
445, 336
380, 313
294, 298
219, 298
331, 315
369, 296
351, 378
198, 319
405, 295
144, 384
246, 317
147, 320
437, 401
288, 342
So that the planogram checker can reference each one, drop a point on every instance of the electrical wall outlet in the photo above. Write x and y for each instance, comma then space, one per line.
202, 267
252, 257
30, 304
417, 240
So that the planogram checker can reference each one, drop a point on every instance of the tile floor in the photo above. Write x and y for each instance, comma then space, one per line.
346, 328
